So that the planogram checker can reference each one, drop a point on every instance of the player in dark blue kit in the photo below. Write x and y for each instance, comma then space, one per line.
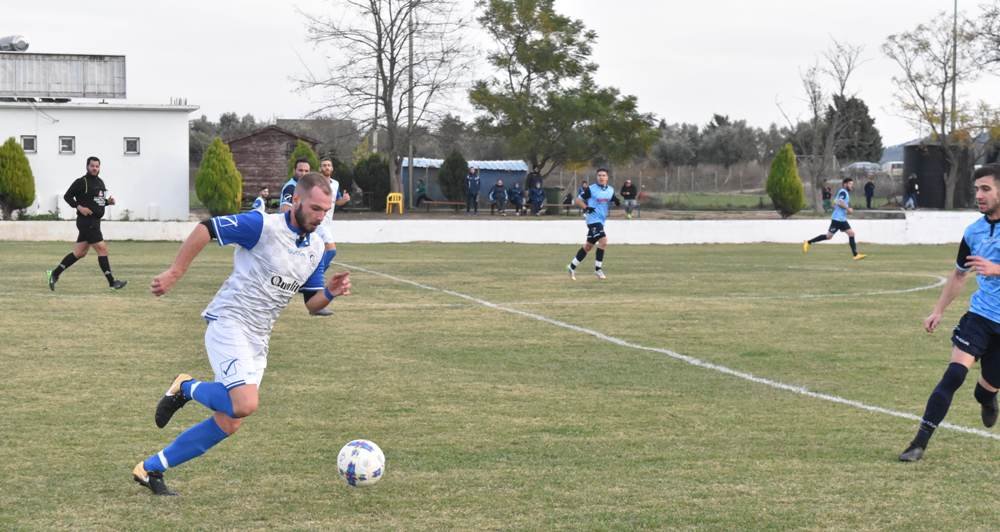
594, 202
977, 336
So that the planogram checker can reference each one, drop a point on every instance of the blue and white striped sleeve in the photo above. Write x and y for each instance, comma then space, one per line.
243, 229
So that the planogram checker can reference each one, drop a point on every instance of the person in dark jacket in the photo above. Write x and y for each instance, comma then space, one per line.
498, 197
536, 196
515, 194
472, 191
421, 193
534, 178
629, 194
912, 191
88, 196
869, 192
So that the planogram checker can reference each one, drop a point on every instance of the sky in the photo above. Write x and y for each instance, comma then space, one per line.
684, 61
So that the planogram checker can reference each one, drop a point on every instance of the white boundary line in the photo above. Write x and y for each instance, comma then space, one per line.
801, 390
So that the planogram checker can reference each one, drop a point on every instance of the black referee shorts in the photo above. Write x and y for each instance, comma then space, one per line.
90, 230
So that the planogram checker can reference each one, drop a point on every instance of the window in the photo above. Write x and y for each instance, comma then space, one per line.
67, 145
29, 143
131, 145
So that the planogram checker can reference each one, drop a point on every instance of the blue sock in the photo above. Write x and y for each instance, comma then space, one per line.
328, 256
192, 443
213, 395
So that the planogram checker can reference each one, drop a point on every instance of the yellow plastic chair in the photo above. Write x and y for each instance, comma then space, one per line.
394, 198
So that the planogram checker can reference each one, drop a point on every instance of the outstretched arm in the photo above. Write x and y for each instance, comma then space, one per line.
954, 285
339, 284
190, 249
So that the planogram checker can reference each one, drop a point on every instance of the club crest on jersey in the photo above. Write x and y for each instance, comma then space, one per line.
288, 286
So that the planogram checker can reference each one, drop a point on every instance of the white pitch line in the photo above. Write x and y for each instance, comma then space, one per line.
801, 390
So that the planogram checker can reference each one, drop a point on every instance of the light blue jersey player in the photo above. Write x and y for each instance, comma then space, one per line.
594, 201
838, 222
276, 257
977, 335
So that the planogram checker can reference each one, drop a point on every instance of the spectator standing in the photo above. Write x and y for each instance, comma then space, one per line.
912, 191
534, 178
472, 191
498, 197
869, 192
629, 194
827, 198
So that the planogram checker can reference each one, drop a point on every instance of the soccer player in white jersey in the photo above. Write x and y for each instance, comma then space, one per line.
325, 230
277, 256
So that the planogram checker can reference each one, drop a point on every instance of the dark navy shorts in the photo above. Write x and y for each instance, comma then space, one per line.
836, 225
980, 338
595, 232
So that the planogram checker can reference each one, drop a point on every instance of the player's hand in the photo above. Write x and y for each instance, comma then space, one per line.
84, 211
346, 197
111, 200
982, 266
163, 283
931, 322
850, 210
339, 284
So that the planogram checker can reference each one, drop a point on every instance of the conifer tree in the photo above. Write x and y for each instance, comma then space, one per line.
17, 183
302, 150
784, 185
218, 183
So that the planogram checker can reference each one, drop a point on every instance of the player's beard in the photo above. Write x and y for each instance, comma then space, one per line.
300, 219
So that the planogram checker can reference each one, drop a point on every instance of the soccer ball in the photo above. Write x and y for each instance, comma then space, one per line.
361, 463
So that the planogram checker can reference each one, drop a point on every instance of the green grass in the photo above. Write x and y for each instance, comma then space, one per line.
494, 420
710, 201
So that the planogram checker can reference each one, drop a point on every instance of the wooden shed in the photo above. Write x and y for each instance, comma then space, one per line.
262, 158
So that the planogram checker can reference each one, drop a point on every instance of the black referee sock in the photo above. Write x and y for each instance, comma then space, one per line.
854, 245
819, 238
106, 268
939, 402
67, 261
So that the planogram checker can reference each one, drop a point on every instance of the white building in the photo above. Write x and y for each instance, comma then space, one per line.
55, 106
143, 151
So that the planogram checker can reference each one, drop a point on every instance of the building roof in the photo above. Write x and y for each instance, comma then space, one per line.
274, 128
94, 105
508, 166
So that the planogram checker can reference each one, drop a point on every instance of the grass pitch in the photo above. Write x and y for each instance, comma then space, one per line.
492, 419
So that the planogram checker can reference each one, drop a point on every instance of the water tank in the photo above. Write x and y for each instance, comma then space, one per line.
13, 43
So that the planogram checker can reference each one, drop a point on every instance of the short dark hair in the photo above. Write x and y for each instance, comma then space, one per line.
324, 159
987, 170
92, 158
845, 180
312, 180
301, 160
602, 169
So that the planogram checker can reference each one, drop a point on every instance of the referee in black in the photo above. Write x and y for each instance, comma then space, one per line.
88, 196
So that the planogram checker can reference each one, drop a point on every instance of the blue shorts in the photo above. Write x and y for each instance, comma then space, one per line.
980, 338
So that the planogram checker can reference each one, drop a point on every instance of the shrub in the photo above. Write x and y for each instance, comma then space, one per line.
372, 175
784, 185
218, 183
302, 149
451, 176
17, 183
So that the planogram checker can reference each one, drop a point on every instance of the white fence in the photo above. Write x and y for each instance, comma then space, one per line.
919, 227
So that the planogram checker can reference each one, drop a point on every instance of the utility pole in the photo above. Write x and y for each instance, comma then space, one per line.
409, 135
375, 120
954, 69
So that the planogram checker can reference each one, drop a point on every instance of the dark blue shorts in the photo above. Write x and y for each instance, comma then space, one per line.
980, 338
595, 232
837, 225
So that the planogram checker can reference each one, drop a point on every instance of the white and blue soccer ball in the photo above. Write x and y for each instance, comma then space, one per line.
361, 463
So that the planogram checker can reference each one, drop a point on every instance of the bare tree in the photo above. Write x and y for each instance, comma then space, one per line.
933, 58
827, 129
368, 79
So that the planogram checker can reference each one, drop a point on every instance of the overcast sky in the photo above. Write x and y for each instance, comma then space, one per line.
683, 60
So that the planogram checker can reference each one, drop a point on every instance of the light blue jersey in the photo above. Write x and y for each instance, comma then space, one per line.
982, 240
840, 213
597, 197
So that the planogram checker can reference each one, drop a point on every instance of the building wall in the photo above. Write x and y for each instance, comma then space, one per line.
262, 160
151, 185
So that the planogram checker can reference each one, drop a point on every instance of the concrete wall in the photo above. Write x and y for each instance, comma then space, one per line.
151, 185
919, 227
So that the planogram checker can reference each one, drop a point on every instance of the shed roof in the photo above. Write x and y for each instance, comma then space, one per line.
509, 166
274, 128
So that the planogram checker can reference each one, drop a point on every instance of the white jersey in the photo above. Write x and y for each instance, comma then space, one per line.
272, 263
325, 229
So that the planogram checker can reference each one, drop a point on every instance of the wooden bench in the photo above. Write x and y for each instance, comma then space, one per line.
431, 203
